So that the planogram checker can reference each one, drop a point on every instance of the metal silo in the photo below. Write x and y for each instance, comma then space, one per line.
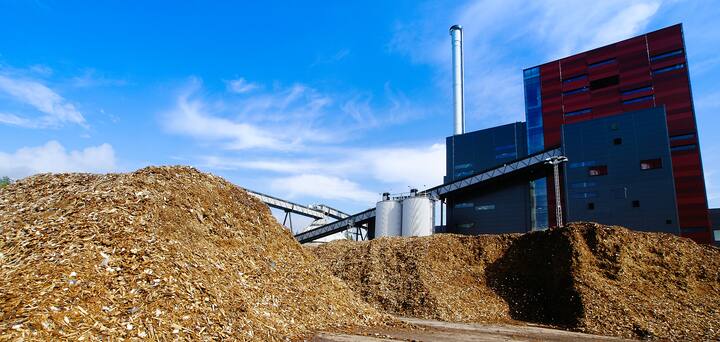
388, 217
418, 216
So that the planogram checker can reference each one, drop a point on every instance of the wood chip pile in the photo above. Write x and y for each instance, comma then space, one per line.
161, 253
585, 277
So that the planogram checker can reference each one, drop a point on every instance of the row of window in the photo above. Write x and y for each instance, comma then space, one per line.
634, 204
648, 164
467, 205
614, 60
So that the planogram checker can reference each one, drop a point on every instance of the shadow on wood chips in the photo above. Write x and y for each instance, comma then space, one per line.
161, 253
586, 277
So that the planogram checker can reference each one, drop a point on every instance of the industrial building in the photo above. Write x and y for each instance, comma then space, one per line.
623, 115
615, 126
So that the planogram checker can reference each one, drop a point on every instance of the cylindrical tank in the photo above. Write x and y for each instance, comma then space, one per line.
418, 216
388, 218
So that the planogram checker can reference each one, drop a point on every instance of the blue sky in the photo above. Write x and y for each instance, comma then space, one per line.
317, 102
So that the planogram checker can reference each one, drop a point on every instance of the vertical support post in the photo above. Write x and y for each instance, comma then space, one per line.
555, 162
558, 203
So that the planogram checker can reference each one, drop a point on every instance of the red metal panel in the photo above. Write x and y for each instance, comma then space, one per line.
670, 89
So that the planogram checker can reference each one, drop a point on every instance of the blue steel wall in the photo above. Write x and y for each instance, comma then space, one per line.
715, 222
472, 152
628, 195
495, 209
500, 208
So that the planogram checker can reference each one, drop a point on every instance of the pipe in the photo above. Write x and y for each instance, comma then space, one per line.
458, 66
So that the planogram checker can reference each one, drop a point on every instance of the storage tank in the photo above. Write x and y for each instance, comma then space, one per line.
418, 216
388, 217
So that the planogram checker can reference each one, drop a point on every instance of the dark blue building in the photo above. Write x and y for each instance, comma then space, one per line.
620, 171
500, 207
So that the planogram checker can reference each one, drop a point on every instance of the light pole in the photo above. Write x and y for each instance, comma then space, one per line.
555, 162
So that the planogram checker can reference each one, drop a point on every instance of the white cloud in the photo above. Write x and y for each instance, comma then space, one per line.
286, 118
240, 86
383, 169
56, 110
322, 186
191, 117
53, 157
422, 167
503, 36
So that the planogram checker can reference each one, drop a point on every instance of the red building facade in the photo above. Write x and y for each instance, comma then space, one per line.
642, 72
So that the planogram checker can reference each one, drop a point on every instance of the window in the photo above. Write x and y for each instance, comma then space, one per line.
683, 148
582, 164
587, 194
636, 204
635, 91
591, 206
578, 112
466, 225
575, 78
532, 72
614, 127
581, 185
670, 68
682, 137
668, 221
651, 164
599, 170
639, 99
617, 141
601, 63
575, 91
485, 207
506, 155
464, 205
462, 166
716, 235
505, 147
666, 55
604, 82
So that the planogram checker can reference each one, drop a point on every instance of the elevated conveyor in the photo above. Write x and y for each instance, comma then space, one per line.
438, 192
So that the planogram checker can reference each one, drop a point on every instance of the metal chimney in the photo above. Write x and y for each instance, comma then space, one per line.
458, 65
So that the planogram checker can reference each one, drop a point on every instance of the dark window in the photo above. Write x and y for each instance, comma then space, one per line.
682, 137
635, 91
466, 225
664, 70
579, 112
599, 170
588, 194
668, 221
591, 206
683, 148
575, 91
582, 164
636, 204
485, 207
574, 78
601, 63
639, 99
651, 164
666, 55
580, 185
694, 229
617, 141
604, 82
464, 205
506, 155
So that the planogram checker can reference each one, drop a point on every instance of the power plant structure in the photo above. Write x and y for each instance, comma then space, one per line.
610, 136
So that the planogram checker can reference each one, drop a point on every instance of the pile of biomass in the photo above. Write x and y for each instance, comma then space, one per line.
161, 253
586, 277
